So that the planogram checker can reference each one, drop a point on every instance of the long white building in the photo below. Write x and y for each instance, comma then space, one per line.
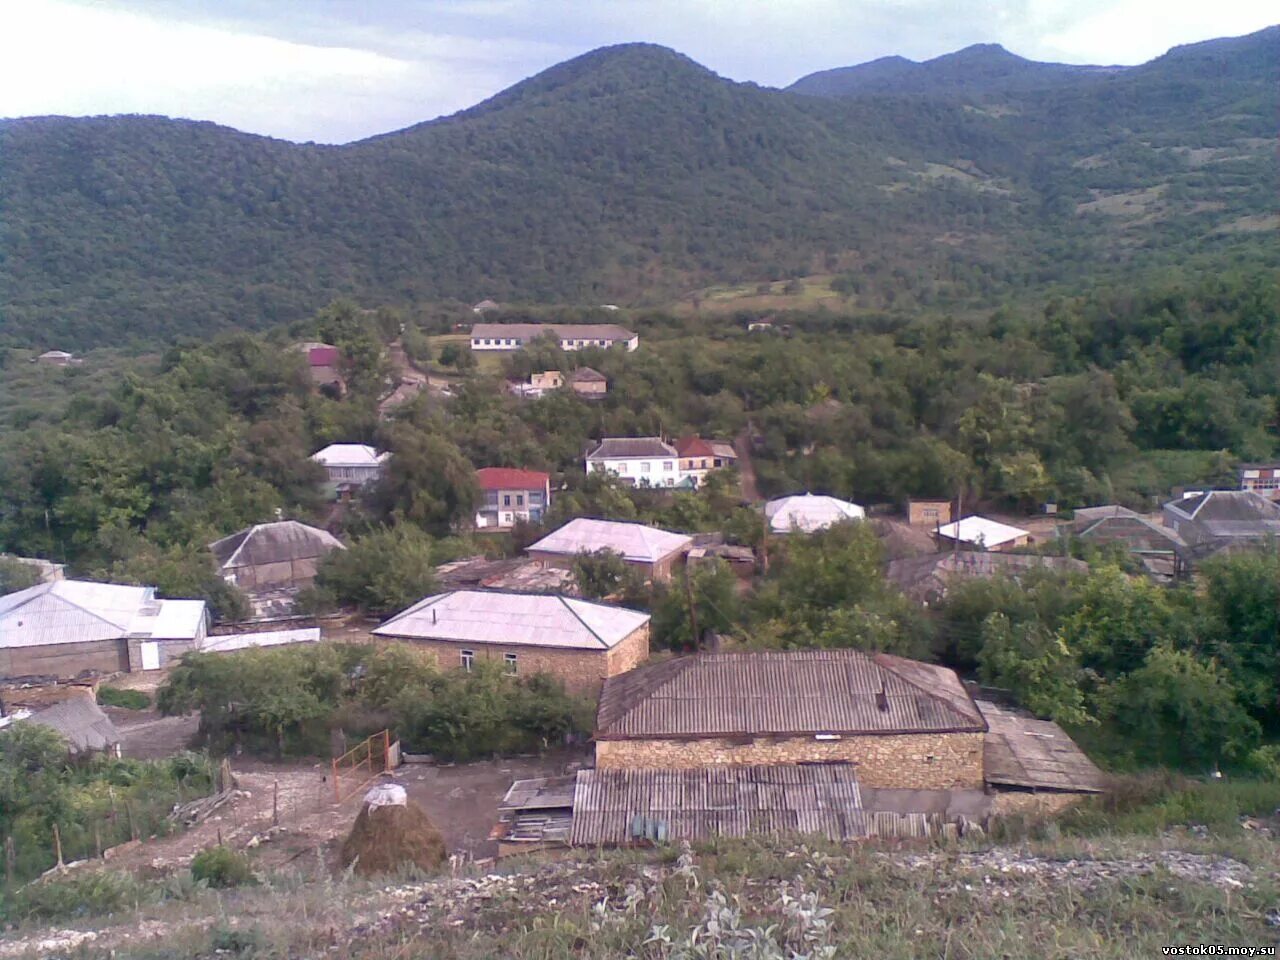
572, 336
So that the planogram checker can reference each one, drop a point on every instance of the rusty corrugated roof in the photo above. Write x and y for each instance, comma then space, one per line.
801, 692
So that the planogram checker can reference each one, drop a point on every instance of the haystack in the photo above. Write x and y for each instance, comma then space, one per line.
391, 832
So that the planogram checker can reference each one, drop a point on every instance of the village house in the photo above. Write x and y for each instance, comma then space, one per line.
572, 336
652, 551
926, 579
980, 533
270, 556
928, 513
349, 466
809, 513
698, 457
637, 461
56, 358
577, 642
511, 495
67, 628
322, 363
83, 725
588, 383
1160, 550
1213, 521
486, 306
1261, 478
547, 380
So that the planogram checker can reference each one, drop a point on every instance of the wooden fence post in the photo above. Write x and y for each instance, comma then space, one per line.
57, 845
133, 828
10, 859
275, 803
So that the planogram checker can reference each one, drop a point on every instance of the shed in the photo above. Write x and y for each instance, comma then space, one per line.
283, 553
809, 513
981, 533
650, 549
82, 723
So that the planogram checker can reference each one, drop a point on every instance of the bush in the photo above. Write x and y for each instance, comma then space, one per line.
221, 867
128, 699
82, 895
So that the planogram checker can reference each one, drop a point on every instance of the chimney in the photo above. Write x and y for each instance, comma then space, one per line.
882, 699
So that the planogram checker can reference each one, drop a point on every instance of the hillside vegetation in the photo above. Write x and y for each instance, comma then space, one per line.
632, 174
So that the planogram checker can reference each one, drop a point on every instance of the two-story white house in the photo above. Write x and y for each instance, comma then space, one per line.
572, 336
349, 466
637, 461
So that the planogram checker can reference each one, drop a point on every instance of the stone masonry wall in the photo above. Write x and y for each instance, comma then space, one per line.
926, 761
582, 671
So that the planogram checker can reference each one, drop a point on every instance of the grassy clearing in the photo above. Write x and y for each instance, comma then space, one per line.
121, 697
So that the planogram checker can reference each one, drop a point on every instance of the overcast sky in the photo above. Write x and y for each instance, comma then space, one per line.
333, 70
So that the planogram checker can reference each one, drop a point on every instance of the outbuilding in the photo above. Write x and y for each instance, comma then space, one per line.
652, 551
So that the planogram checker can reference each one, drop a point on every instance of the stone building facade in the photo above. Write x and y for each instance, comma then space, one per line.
924, 761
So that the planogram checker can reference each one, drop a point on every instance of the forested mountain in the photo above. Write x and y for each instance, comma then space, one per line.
631, 174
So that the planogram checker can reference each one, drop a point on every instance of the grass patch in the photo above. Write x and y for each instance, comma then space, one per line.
1151, 803
120, 697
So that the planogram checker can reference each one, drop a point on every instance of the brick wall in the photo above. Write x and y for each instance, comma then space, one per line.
926, 761
65, 660
582, 671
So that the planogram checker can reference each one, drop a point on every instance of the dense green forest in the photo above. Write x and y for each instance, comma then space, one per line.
633, 175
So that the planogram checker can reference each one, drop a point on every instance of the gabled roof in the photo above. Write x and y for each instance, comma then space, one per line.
623, 448
55, 355
787, 693
280, 542
634, 541
693, 446
981, 531
1233, 506
1021, 751
809, 512
926, 578
510, 478
349, 455
519, 619
83, 724
587, 375
323, 356
1115, 523
81, 611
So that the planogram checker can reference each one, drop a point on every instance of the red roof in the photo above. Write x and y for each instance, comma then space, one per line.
694, 447
323, 356
509, 478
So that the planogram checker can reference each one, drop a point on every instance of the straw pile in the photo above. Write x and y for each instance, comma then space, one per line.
389, 833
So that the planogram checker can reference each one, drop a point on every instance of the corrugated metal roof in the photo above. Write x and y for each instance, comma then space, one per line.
587, 375
718, 801
176, 620
231, 642
634, 541
927, 578
478, 616
540, 793
81, 611
280, 542
566, 331
349, 455
622, 448
809, 512
802, 692
1022, 751
981, 531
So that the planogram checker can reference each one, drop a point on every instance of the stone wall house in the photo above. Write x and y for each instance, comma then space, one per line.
698, 457
70, 628
899, 722
928, 513
652, 551
579, 642
589, 383
350, 466
285, 553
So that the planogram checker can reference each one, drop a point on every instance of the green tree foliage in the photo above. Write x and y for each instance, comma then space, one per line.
381, 572
15, 575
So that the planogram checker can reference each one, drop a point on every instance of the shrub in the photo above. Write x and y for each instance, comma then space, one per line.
221, 867
81, 895
128, 699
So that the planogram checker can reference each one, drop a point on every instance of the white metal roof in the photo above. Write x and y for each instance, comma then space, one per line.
229, 643
809, 512
521, 619
349, 455
79, 611
981, 531
634, 541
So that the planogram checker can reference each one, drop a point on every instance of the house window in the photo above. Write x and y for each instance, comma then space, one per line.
668, 466
519, 499
506, 499
597, 467
704, 464
718, 462
509, 661
468, 660
644, 467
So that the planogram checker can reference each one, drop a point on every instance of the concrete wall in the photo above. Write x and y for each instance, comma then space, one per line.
65, 660
924, 761
582, 671
171, 651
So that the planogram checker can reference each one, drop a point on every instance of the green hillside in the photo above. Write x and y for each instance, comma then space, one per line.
629, 175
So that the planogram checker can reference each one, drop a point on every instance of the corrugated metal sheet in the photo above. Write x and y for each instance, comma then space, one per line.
634, 541
928, 577
540, 793
809, 512
1022, 751
981, 531
724, 801
231, 642
349, 455
476, 616
791, 692
69, 611
175, 620
280, 542
82, 723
